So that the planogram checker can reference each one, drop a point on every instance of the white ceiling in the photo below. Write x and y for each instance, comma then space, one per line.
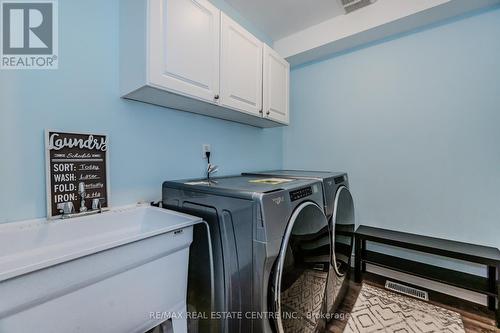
281, 18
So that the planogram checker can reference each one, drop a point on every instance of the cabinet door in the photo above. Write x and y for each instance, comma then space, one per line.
241, 68
184, 47
276, 86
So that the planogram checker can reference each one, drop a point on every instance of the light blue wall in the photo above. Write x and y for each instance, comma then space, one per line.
415, 122
82, 95
241, 19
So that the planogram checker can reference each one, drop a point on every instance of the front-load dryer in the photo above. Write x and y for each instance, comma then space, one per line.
271, 245
339, 209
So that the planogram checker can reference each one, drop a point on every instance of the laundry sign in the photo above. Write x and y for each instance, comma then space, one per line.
76, 171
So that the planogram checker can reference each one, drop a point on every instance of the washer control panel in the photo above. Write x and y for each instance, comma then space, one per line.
301, 193
339, 180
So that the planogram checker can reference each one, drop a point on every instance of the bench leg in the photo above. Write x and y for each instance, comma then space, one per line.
492, 282
363, 253
357, 259
498, 296
498, 310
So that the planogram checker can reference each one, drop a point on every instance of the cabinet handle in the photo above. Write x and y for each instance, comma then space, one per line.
268, 112
216, 97
261, 111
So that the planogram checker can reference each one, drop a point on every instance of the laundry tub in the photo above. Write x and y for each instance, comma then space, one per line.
121, 271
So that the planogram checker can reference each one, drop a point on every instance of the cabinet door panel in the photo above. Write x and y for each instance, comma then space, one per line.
184, 47
241, 68
276, 86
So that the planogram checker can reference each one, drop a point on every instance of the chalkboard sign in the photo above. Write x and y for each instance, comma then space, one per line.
77, 179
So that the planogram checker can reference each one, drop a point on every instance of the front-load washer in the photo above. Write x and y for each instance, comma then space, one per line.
271, 246
339, 209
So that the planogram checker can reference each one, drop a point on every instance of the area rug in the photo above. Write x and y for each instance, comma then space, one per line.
302, 301
379, 310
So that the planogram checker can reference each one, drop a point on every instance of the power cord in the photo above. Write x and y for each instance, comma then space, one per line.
207, 154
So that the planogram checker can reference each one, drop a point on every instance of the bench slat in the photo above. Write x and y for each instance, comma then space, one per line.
447, 276
453, 249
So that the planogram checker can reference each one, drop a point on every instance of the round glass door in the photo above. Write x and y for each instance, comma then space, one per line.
301, 272
343, 230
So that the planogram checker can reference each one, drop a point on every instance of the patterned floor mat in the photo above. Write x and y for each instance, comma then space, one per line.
379, 310
333, 287
305, 298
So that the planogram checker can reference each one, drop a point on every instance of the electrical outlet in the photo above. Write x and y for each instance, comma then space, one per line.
206, 148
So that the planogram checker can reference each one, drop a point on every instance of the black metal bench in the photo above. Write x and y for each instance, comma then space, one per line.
488, 256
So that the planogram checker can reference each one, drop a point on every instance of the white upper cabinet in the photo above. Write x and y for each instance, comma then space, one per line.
276, 86
188, 55
241, 68
184, 47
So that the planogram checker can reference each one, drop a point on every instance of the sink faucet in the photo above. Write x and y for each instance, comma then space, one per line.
82, 193
210, 170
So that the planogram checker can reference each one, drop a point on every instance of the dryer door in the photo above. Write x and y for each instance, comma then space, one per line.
343, 230
301, 272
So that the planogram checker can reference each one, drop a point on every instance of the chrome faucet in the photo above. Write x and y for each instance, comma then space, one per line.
211, 168
82, 193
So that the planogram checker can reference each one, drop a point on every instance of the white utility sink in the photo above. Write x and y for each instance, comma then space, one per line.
104, 273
